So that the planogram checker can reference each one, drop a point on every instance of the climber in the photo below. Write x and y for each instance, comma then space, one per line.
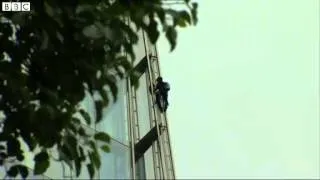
161, 89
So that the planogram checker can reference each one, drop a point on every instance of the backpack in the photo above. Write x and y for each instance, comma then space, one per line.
166, 86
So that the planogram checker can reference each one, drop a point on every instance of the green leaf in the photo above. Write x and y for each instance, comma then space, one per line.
105, 148
24, 172
153, 32
77, 164
98, 106
182, 23
124, 62
113, 87
82, 155
82, 132
84, 8
42, 156
171, 35
91, 170
3, 155
104, 96
71, 144
13, 171
95, 159
40, 167
134, 79
19, 18
86, 116
185, 16
20, 157
13, 146
64, 155
2, 147
30, 141
93, 146
161, 15
50, 11
101, 136
194, 12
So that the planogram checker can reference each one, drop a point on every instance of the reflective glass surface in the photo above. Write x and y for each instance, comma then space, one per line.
114, 117
2, 172
139, 48
116, 164
143, 106
140, 169
149, 166
55, 170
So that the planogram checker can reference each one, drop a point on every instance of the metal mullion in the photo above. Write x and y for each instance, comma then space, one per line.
155, 65
132, 133
156, 165
165, 119
147, 45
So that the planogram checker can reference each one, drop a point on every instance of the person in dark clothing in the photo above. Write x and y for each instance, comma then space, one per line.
161, 89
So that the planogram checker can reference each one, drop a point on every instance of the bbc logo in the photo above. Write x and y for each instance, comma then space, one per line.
15, 6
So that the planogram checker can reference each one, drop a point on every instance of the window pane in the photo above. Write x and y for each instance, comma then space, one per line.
55, 170
149, 164
139, 48
115, 117
140, 169
2, 172
116, 164
143, 106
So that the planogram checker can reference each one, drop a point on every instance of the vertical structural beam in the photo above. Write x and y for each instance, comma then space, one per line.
135, 114
131, 120
162, 116
159, 118
158, 151
155, 150
158, 169
131, 129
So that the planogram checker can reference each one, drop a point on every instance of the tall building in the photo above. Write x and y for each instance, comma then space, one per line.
140, 144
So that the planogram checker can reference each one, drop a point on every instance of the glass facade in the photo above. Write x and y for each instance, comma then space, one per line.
116, 165
143, 106
115, 117
128, 121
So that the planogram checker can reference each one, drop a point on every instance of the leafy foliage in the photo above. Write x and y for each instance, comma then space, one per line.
51, 56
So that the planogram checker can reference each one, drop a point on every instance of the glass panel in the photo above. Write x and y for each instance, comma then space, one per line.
56, 171
149, 166
114, 117
140, 169
139, 48
2, 172
143, 106
116, 164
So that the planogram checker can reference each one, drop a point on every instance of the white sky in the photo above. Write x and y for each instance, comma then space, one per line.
245, 90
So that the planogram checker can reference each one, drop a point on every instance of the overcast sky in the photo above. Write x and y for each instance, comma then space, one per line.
245, 90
